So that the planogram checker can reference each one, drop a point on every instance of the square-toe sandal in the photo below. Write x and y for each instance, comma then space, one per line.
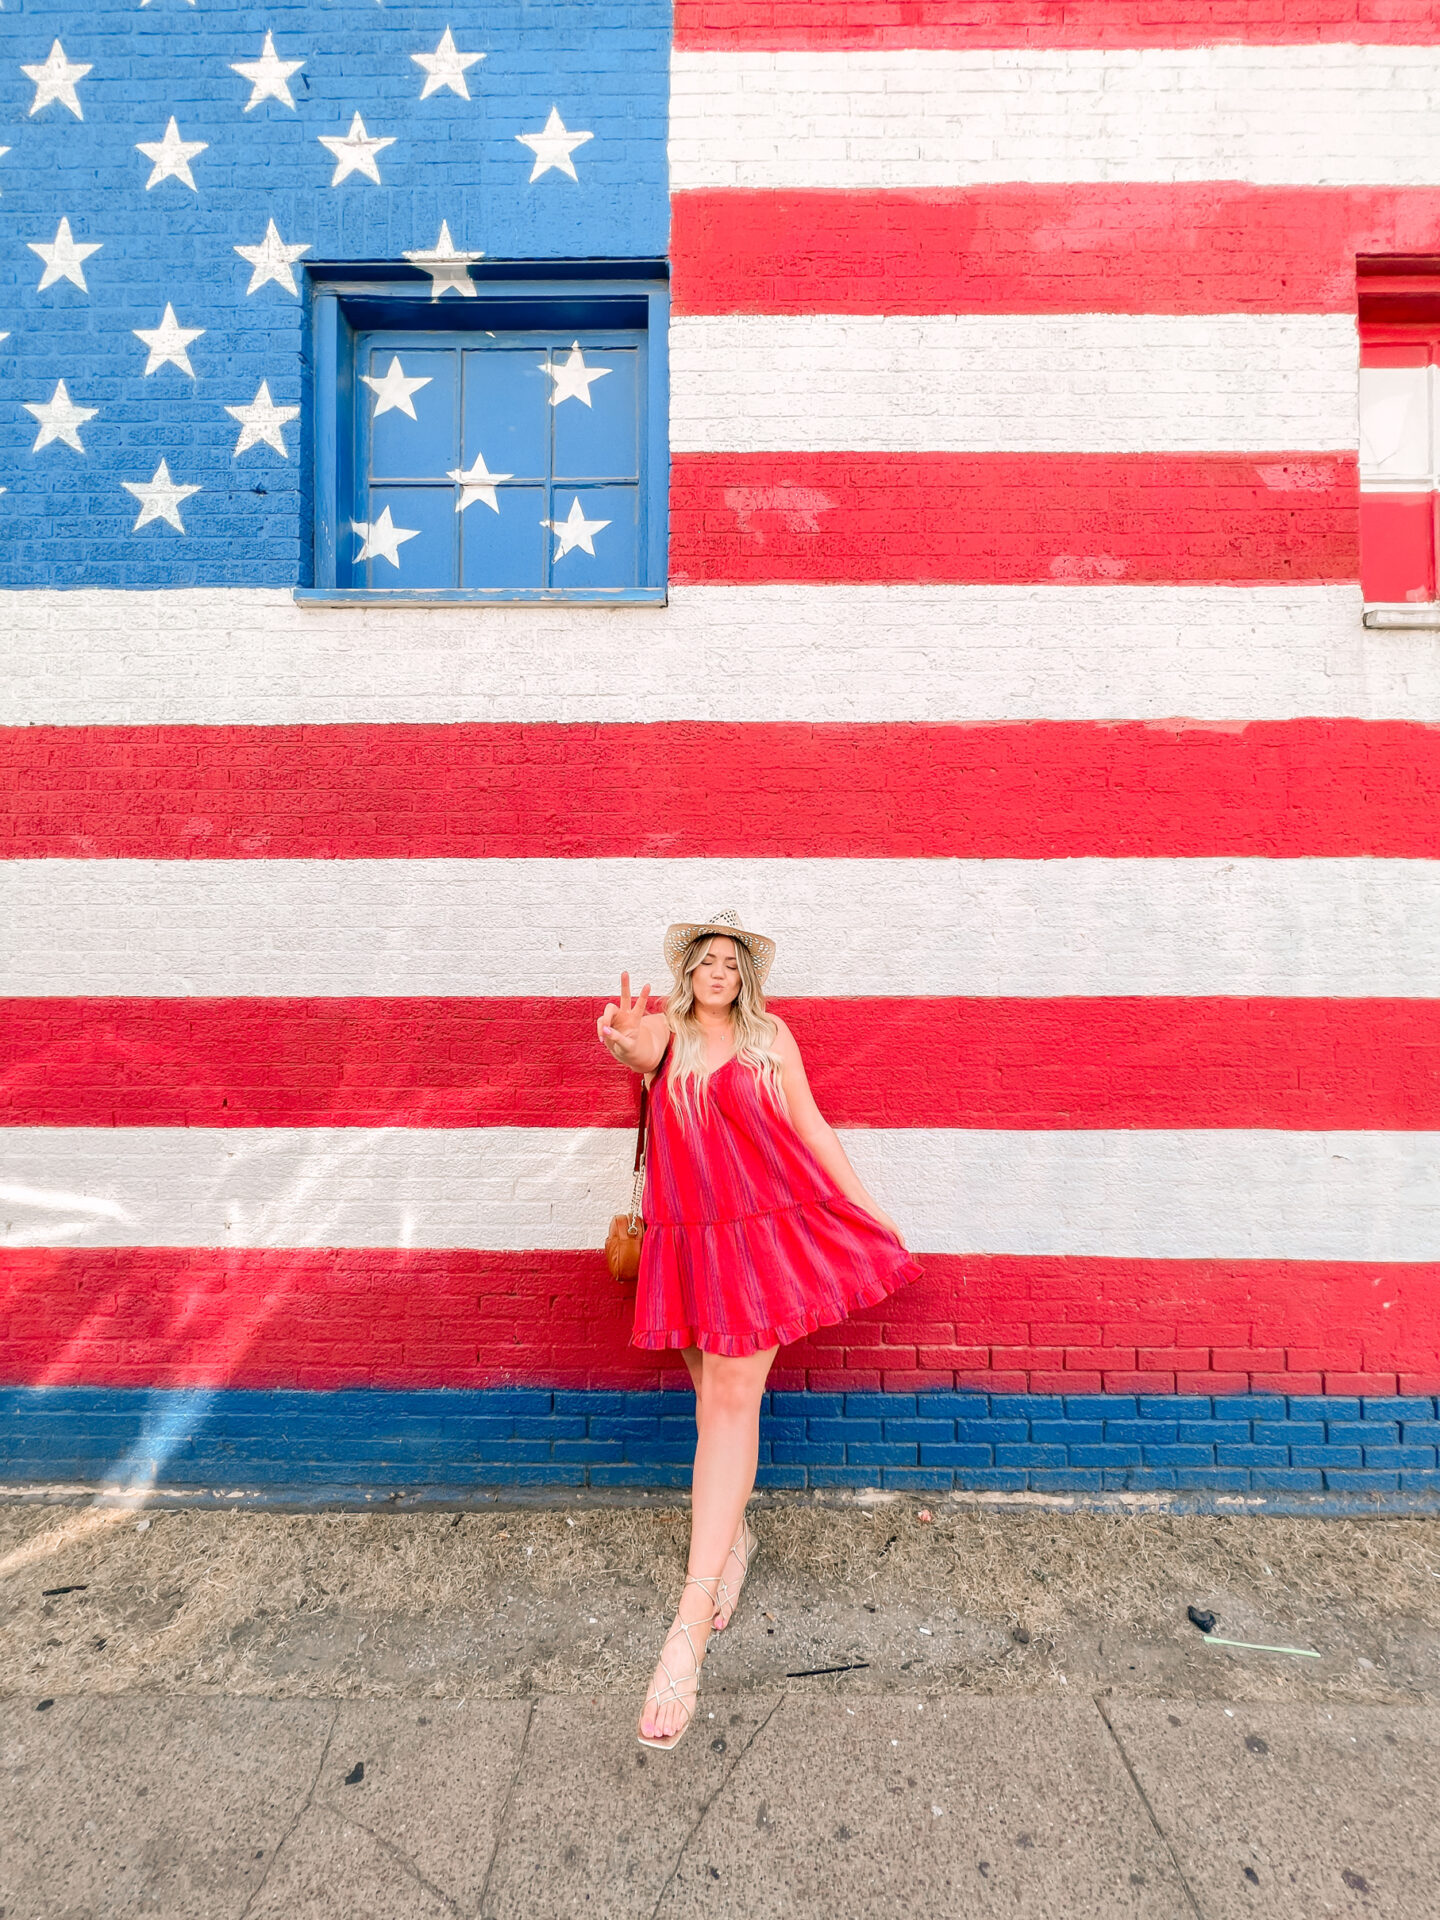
671, 1689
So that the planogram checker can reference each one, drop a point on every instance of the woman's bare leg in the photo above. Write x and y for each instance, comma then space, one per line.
726, 1452
693, 1358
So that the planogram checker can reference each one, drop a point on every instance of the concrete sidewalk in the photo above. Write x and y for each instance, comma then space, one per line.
776, 1803
265, 1716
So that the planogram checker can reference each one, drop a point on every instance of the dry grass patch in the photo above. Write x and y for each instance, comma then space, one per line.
198, 1599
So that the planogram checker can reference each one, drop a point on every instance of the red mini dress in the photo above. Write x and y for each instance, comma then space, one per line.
748, 1241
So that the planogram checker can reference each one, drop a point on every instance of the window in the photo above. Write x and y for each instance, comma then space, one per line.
509, 445
1399, 442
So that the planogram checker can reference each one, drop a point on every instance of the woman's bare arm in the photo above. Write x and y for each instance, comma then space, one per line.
818, 1134
631, 1035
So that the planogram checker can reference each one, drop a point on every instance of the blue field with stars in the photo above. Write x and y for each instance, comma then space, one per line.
171, 173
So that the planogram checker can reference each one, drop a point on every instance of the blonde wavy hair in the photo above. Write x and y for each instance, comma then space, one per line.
688, 1077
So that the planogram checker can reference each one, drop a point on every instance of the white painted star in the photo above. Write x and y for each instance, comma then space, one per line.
168, 343
262, 420
55, 80
381, 539
172, 157
60, 419
269, 76
159, 498
445, 67
355, 152
553, 146
394, 388
3, 152
572, 377
449, 269
63, 257
477, 484
273, 260
574, 531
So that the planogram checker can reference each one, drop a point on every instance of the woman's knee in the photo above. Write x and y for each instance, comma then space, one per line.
733, 1387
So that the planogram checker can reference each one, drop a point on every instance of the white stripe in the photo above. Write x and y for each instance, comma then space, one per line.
1038, 927
1143, 1195
1292, 115
800, 653
1013, 383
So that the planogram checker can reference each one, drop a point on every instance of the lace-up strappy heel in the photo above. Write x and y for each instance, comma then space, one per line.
671, 1689
751, 1544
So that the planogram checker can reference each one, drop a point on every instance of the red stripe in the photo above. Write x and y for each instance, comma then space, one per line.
837, 24
1014, 518
1281, 789
203, 1317
1213, 247
1296, 1064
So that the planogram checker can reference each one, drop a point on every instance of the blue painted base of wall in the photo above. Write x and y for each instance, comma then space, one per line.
1344, 1452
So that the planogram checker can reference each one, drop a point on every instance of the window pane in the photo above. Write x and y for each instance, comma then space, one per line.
395, 385
601, 441
615, 541
506, 413
1397, 546
420, 533
1395, 423
504, 548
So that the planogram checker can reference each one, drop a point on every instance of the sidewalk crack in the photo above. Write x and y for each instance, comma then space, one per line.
1144, 1799
720, 1786
300, 1812
396, 1853
500, 1824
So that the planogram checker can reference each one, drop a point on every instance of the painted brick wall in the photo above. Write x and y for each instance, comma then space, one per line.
1013, 675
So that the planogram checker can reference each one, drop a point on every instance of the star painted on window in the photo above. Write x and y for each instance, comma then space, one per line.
269, 76
59, 418
572, 377
445, 67
168, 343
172, 157
159, 499
262, 420
273, 260
63, 257
56, 80
355, 151
477, 484
574, 531
449, 269
394, 388
553, 146
381, 539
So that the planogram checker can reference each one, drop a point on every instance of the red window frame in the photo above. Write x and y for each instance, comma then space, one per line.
1399, 317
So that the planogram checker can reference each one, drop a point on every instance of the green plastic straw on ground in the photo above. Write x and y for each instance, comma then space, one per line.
1253, 1646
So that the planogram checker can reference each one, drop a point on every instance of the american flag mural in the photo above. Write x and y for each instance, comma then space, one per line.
483, 482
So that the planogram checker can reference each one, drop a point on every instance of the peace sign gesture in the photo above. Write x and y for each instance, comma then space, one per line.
622, 1027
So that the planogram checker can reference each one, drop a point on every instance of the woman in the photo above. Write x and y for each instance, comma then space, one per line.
758, 1230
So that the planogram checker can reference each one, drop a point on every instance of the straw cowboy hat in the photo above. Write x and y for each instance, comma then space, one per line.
678, 938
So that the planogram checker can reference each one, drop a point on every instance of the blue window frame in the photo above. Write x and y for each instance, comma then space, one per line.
506, 447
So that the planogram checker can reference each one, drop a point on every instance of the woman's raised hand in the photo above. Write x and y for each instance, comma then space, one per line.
621, 1027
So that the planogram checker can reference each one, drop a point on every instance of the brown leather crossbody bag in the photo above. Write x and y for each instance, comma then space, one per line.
622, 1243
